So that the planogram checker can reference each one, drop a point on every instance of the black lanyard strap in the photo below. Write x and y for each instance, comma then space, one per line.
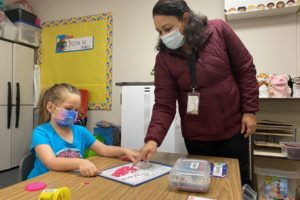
192, 68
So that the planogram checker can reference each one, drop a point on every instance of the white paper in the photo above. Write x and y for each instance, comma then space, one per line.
141, 175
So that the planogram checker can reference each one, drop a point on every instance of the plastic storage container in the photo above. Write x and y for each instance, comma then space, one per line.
278, 180
190, 175
291, 150
20, 15
15, 5
249, 193
8, 30
1, 4
111, 135
28, 34
2, 16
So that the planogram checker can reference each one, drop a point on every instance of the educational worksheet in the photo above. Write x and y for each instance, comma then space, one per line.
139, 174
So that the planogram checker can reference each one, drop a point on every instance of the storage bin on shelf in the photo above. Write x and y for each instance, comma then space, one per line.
190, 175
2, 16
20, 15
249, 193
1, 5
276, 180
8, 30
111, 135
28, 34
291, 150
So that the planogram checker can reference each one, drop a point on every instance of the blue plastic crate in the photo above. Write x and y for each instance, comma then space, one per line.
107, 133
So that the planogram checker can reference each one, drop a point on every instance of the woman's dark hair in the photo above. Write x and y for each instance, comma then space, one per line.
195, 29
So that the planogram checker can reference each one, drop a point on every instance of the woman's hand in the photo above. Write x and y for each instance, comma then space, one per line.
148, 150
87, 168
133, 156
248, 124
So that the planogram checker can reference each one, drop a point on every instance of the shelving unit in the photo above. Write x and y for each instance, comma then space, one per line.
269, 134
16, 42
261, 13
287, 108
288, 98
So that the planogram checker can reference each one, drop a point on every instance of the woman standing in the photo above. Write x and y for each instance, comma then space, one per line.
204, 66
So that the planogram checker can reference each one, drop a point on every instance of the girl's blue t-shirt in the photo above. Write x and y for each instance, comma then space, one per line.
45, 134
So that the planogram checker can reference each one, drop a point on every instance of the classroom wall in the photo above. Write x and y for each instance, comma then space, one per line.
274, 43
134, 37
298, 43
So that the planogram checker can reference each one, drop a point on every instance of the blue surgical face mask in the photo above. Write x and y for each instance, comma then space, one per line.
174, 39
65, 118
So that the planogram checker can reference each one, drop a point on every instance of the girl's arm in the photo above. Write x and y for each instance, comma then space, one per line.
114, 151
46, 155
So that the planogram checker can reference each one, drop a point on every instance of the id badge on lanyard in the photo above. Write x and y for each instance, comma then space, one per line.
193, 97
193, 103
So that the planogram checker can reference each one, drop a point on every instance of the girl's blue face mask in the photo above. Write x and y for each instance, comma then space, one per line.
65, 118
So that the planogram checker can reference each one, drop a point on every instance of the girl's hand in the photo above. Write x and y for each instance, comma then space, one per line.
134, 156
87, 168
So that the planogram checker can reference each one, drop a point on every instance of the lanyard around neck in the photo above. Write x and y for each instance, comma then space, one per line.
192, 58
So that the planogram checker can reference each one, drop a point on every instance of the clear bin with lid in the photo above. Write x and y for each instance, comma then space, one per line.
291, 150
190, 175
276, 180
28, 34
249, 193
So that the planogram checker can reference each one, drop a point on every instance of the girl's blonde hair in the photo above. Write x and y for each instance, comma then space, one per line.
54, 94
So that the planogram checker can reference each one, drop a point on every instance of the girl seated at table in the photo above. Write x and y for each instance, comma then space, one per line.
58, 144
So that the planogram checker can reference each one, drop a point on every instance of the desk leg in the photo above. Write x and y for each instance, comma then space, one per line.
251, 160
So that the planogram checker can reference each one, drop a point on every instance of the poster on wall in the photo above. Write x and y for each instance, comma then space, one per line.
79, 51
66, 43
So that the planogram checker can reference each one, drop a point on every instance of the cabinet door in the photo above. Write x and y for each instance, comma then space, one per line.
137, 105
133, 123
23, 61
5, 70
173, 142
5, 140
21, 136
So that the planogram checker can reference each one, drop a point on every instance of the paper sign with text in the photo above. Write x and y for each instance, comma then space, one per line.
66, 43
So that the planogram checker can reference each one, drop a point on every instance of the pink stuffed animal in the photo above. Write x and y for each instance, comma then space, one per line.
279, 86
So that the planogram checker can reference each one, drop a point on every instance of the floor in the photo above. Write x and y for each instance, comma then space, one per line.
9, 177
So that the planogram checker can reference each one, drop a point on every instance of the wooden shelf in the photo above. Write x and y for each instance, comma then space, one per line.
266, 144
21, 43
267, 153
262, 13
287, 98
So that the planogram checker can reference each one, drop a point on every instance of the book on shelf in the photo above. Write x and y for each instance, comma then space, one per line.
268, 136
275, 134
275, 127
272, 152
273, 123
266, 144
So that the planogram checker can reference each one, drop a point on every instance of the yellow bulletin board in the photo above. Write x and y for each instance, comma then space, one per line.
87, 68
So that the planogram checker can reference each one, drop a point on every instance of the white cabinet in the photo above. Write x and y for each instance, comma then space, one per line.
16, 102
137, 104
